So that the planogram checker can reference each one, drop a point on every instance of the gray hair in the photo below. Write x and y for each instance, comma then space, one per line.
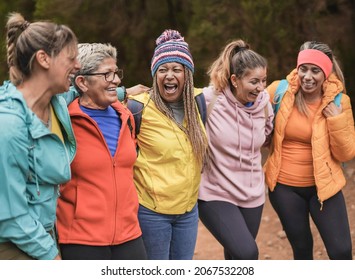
91, 56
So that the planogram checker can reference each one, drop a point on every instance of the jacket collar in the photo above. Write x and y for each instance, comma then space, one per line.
74, 109
331, 86
259, 104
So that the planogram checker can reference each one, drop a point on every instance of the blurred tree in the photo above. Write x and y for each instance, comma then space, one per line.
130, 25
26, 7
275, 29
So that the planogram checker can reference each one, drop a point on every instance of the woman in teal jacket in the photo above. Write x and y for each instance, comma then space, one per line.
37, 142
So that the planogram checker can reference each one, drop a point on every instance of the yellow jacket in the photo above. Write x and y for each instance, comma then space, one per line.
166, 173
333, 139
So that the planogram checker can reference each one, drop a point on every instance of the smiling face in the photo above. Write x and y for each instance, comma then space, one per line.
247, 88
63, 66
97, 93
311, 78
171, 79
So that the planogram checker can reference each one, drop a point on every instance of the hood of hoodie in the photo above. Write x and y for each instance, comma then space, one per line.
258, 105
255, 109
331, 86
236, 134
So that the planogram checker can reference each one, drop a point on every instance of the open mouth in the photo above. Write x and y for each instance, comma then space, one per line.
170, 88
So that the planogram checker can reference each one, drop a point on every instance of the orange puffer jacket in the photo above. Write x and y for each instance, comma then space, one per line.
333, 139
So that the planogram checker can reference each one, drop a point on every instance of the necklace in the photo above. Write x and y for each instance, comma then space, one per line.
47, 124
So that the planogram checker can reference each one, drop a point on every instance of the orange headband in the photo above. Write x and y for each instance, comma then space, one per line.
317, 58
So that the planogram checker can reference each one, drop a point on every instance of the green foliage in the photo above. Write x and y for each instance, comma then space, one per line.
26, 8
274, 28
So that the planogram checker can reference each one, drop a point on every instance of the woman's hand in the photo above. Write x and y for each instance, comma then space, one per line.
57, 258
332, 110
137, 89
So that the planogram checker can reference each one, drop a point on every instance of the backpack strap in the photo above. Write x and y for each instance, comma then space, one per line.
201, 105
136, 109
337, 99
129, 123
213, 101
280, 91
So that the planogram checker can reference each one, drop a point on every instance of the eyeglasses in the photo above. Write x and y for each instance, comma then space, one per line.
109, 76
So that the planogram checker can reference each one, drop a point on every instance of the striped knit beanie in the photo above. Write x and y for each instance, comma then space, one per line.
171, 47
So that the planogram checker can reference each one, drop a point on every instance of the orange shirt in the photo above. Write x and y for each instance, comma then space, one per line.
297, 161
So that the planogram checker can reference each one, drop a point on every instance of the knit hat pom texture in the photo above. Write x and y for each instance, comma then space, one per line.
171, 47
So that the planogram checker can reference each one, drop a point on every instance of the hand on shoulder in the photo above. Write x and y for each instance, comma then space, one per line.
137, 89
332, 110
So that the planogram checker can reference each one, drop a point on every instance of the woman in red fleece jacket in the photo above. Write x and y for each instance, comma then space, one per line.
97, 209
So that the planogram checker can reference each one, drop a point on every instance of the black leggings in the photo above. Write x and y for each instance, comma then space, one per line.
294, 206
131, 250
234, 227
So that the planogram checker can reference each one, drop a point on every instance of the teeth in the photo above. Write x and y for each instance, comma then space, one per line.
170, 88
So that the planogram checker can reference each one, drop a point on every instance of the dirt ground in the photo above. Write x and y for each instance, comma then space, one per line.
271, 240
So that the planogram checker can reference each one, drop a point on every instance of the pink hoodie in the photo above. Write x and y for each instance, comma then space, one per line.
236, 134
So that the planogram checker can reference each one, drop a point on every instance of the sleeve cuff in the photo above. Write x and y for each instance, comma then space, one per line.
121, 93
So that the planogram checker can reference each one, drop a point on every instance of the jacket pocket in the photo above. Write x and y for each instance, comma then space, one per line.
42, 204
91, 204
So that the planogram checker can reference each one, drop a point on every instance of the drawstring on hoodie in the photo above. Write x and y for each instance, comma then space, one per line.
252, 148
239, 144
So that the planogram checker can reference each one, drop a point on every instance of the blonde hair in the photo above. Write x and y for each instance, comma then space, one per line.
24, 39
236, 58
194, 131
299, 99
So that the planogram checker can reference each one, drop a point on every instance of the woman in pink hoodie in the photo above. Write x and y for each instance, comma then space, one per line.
240, 116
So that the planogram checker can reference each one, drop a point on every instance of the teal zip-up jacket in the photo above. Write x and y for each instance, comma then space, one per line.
33, 162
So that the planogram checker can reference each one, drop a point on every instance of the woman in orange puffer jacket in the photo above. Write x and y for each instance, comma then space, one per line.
312, 136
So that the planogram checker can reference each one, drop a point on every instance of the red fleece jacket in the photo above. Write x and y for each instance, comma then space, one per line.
99, 205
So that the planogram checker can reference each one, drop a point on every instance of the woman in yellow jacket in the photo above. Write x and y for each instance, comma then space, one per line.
312, 137
172, 146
